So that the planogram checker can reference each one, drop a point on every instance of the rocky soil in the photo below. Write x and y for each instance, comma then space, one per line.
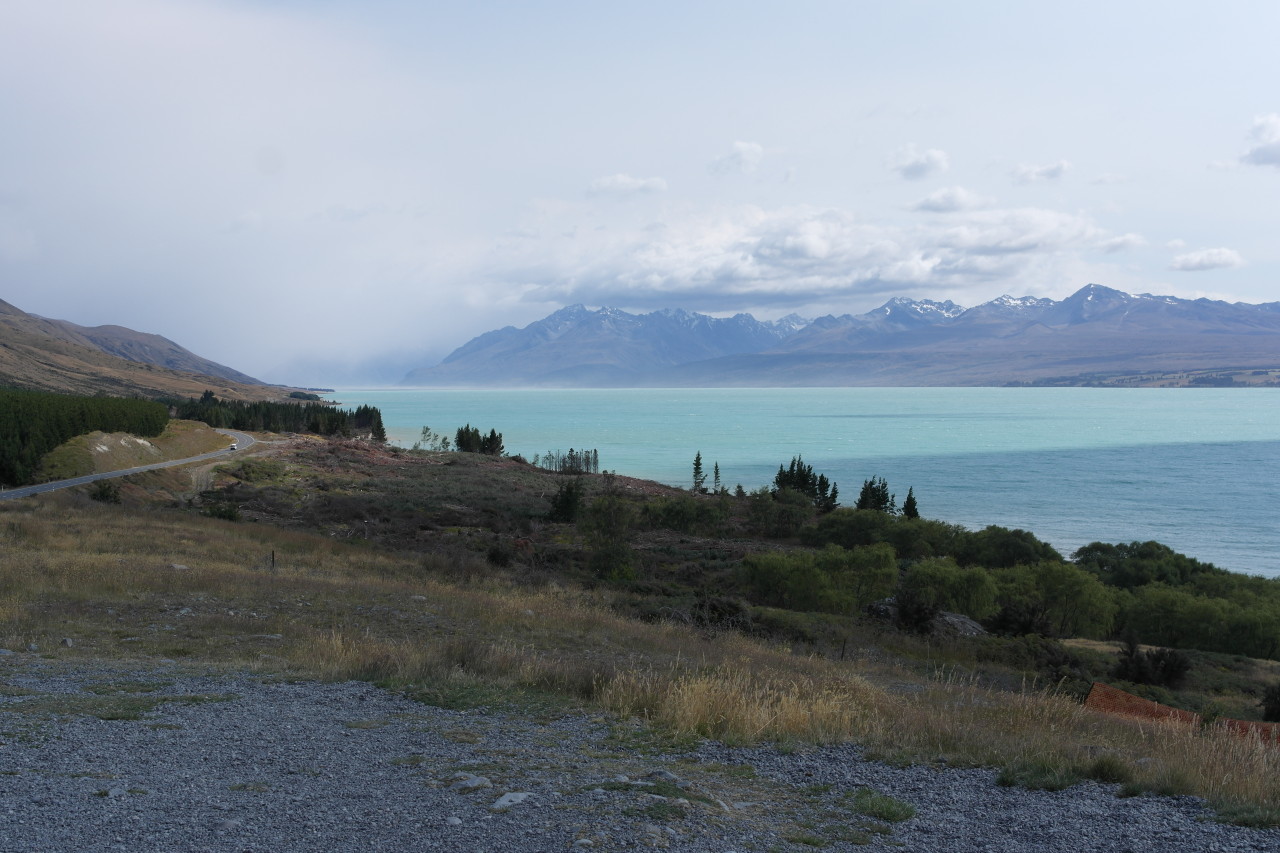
165, 757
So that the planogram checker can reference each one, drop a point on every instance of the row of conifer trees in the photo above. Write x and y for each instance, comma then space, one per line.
32, 423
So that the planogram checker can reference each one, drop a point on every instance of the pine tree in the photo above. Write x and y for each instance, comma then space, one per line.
715, 478
875, 495
909, 508
699, 476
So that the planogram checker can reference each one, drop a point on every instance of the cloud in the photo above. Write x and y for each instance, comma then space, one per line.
951, 200
626, 185
744, 256
1122, 243
1207, 259
1109, 179
1266, 142
1029, 174
914, 164
743, 159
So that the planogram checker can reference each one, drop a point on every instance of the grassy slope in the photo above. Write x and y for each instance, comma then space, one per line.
382, 566
98, 452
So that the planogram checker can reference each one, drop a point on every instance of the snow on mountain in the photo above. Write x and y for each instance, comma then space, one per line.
904, 341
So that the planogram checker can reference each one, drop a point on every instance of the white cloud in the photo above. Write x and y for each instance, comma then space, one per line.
951, 200
745, 157
914, 164
1109, 179
1266, 142
1122, 243
625, 185
1029, 174
734, 258
1176, 244
1207, 259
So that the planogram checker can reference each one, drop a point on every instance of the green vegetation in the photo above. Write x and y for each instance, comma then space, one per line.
470, 440
802, 480
833, 580
32, 423
310, 417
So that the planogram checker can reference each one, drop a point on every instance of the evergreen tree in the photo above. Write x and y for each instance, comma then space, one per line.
800, 478
875, 495
715, 478
909, 508
699, 476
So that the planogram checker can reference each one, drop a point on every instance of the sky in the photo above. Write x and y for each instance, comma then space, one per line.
329, 192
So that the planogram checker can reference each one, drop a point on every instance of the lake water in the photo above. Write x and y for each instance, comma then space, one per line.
1196, 469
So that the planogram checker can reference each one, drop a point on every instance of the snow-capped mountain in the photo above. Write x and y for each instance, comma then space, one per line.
1095, 332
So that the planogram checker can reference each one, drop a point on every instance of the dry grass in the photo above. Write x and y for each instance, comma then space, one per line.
98, 451
136, 583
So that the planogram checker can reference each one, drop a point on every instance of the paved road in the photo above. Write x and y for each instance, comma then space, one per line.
243, 441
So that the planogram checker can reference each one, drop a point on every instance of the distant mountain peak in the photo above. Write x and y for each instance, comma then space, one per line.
1095, 331
899, 305
1007, 301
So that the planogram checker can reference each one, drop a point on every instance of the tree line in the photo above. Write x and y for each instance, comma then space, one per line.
263, 416
32, 423
573, 462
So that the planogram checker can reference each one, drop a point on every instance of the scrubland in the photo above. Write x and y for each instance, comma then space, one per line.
433, 575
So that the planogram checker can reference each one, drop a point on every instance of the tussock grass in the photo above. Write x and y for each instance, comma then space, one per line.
126, 583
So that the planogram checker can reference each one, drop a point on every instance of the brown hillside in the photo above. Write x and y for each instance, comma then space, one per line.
45, 355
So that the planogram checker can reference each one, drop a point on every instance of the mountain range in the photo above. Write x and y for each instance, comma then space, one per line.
1097, 335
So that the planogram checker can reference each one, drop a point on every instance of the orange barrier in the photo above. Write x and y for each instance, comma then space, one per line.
1267, 731
1112, 700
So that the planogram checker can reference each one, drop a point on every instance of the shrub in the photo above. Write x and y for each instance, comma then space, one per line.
105, 491
567, 503
934, 585
224, 510
1158, 667
1111, 769
1271, 703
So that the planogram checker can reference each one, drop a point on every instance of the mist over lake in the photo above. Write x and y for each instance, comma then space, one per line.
1194, 469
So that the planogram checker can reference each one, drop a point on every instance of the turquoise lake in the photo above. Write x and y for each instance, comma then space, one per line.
1196, 469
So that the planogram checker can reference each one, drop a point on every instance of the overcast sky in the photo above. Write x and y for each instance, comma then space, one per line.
305, 190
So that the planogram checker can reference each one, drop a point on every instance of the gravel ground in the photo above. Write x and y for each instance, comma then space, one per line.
209, 760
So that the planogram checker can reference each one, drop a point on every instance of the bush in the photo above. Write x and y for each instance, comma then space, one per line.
224, 510
105, 491
1000, 547
1111, 769
778, 515
934, 585
1271, 703
1158, 667
567, 503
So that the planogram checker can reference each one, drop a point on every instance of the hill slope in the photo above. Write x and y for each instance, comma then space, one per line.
53, 355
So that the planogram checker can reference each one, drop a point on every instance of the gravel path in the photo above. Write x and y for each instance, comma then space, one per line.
207, 760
